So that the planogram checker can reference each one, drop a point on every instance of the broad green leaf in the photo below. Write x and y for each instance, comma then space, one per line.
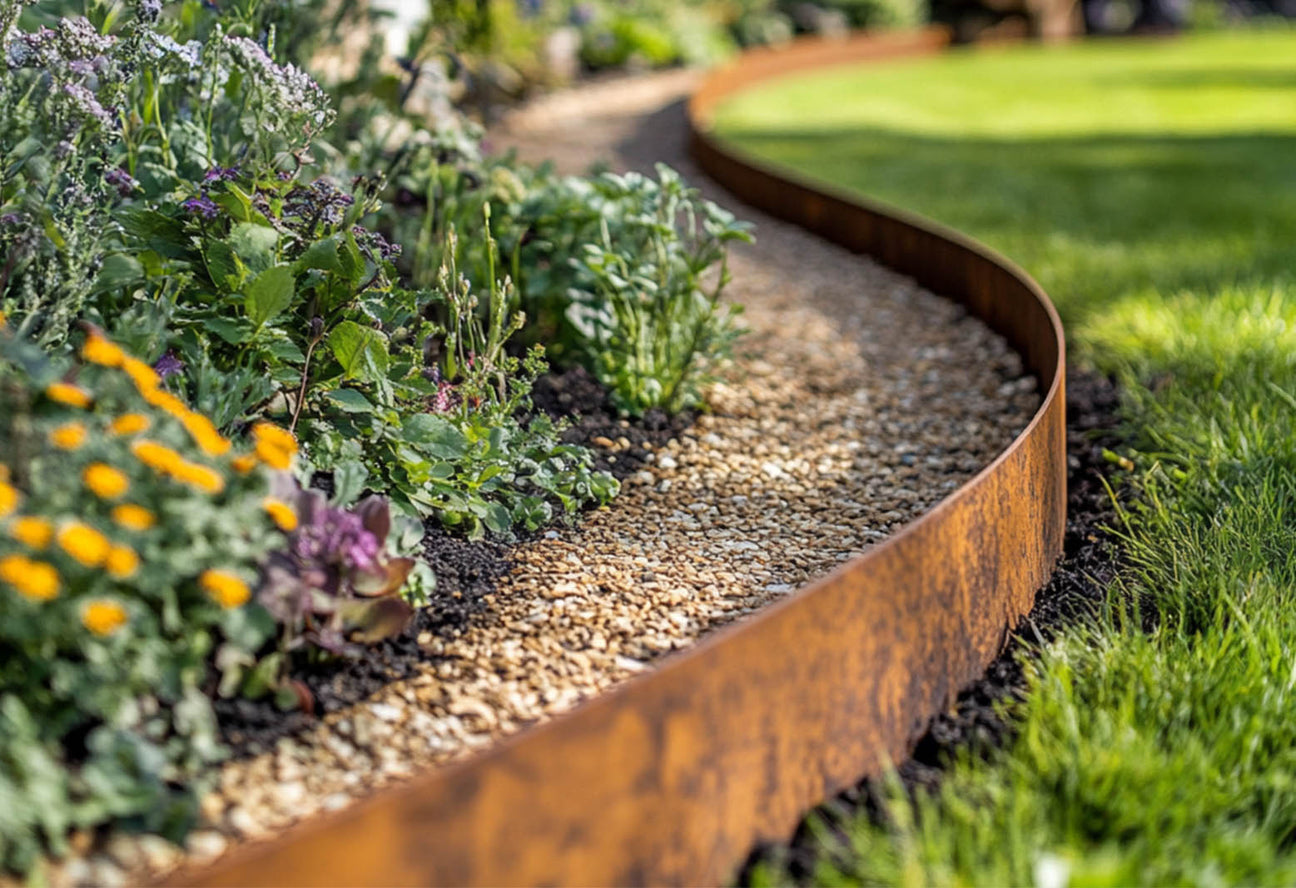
118, 270
255, 245
269, 294
323, 254
350, 401
362, 351
348, 482
435, 436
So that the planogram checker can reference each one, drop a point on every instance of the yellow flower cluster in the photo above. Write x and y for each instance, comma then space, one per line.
9, 499
87, 546
32, 532
34, 580
165, 461
66, 393
274, 446
104, 481
68, 436
225, 589
103, 617
130, 424
133, 517
280, 513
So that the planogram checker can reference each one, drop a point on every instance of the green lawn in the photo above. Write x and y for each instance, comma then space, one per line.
1151, 188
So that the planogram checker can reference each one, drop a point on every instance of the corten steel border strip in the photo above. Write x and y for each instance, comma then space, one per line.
672, 776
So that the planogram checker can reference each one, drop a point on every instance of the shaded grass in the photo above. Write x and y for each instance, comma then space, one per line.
1151, 187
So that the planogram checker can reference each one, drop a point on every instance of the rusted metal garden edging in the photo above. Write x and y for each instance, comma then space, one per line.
672, 776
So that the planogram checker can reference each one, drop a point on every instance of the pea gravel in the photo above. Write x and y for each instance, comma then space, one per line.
860, 402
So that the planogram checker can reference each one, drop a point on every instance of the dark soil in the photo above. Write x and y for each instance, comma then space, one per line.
977, 722
576, 394
466, 571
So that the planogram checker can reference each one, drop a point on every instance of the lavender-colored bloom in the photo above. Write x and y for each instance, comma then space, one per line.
445, 399
149, 10
123, 181
168, 365
221, 174
201, 205
287, 86
86, 103
374, 242
7, 219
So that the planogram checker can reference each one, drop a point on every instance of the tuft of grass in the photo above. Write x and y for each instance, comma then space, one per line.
1151, 187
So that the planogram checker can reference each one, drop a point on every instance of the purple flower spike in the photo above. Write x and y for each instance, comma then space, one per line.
221, 174
202, 206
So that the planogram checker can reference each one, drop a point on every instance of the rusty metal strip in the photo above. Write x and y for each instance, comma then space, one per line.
672, 776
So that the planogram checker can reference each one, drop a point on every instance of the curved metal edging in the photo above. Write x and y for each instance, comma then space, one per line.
671, 777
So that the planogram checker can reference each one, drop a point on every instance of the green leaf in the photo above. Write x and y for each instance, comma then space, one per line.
435, 436
118, 270
269, 294
348, 481
497, 518
362, 351
254, 244
350, 401
323, 255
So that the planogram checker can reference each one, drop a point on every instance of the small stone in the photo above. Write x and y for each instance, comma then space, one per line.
159, 854
336, 802
667, 462
206, 845
386, 711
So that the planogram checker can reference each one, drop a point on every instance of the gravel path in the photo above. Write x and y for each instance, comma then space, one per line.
863, 400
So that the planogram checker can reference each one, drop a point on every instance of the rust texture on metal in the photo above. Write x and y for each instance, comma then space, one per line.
672, 776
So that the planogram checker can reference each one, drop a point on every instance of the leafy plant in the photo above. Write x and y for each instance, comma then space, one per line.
334, 583
621, 275
130, 533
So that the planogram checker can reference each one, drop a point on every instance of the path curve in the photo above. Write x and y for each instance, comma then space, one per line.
672, 776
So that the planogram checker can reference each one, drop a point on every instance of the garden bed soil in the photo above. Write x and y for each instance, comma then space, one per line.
980, 721
859, 402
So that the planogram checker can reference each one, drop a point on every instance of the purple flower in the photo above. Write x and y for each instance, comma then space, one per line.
202, 206
123, 181
168, 365
11, 219
445, 399
150, 10
221, 174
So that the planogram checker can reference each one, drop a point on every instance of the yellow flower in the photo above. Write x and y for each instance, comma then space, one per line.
274, 457
201, 477
34, 580
4, 318
98, 350
104, 481
121, 562
164, 400
280, 513
204, 433
130, 424
68, 436
66, 393
133, 517
224, 588
244, 464
145, 377
87, 545
273, 434
274, 446
34, 533
9, 499
156, 456
103, 617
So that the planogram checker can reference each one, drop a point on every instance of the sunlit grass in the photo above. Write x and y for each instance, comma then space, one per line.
1151, 187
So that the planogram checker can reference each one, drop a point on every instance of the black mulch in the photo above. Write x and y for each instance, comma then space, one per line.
595, 424
1076, 591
